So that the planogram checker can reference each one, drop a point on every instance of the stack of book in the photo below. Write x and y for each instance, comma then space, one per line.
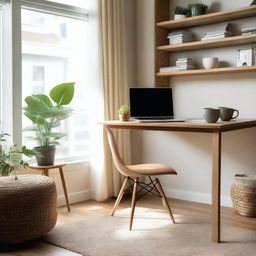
169, 69
181, 64
246, 57
248, 31
180, 37
185, 64
216, 35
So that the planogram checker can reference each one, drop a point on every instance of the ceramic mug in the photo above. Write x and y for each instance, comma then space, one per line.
210, 62
226, 114
211, 115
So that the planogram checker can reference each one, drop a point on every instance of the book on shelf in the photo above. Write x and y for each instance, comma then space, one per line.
179, 37
180, 32
248, 29
215, 37
248, 33
182, 63
216, 32
169, 69
246, 57
226, 33
222, 33
175, 68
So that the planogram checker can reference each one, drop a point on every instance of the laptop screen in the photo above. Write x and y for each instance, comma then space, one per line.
151, 102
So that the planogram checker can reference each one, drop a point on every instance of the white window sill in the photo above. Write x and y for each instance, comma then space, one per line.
67, 160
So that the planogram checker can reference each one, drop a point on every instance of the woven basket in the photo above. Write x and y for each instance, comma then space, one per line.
28, 207
243, 195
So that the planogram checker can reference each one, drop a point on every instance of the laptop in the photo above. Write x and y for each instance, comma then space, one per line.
152, 105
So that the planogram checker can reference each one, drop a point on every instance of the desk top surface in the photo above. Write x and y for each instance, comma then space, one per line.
189, 125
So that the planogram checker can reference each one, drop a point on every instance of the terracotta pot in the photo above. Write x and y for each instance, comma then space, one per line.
124, 118
47, 155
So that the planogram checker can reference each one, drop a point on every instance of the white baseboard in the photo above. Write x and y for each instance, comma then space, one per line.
195, 196
75, 197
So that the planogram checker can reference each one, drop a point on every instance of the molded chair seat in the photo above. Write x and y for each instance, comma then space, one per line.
151, 169
133, 173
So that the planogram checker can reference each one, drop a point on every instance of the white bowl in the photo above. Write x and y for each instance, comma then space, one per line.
210, 62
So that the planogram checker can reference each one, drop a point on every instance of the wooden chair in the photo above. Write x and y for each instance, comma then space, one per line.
134, 173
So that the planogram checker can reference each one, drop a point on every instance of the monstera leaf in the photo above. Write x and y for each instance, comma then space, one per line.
62, 94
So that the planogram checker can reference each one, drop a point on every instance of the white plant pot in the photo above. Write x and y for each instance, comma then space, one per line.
210, 62
179, 17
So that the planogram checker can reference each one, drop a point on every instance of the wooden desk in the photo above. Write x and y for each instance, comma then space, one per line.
216, 130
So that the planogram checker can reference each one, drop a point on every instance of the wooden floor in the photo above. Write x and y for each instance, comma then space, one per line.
185, 208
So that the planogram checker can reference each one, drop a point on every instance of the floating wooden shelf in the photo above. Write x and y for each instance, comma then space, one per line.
214, 43
207, 71
210, 18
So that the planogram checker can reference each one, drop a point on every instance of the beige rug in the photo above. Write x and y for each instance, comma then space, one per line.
153, 235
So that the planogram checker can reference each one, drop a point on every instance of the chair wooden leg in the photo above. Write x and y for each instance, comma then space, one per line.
159, 187
133, 201
120, 195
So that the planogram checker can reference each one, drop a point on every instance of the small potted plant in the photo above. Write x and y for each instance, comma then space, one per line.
46, 117
124, 113
11, 157
180, 13
197, 9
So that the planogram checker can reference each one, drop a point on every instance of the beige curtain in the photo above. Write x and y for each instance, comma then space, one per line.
115, 86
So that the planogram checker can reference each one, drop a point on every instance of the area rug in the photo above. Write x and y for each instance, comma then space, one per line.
153, 234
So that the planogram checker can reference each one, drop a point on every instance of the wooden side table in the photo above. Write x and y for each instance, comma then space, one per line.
45, 171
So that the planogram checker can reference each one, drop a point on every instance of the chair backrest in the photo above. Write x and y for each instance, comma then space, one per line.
116, 157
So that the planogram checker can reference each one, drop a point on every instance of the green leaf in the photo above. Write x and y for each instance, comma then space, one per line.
55, 135
56, 124
29, 152
30, 129
36, 104
30, 116
62, 94
62, 113
41, 120
45, 99
55, 143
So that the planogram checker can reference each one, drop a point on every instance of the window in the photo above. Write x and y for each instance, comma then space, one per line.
53, 54
53, 50
1, 93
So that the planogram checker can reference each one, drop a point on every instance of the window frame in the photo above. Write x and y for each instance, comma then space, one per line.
11, 79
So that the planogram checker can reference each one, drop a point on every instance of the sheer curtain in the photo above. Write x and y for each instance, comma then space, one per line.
109, 91
114, 83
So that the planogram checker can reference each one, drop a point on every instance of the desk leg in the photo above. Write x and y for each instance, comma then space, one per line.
216, 181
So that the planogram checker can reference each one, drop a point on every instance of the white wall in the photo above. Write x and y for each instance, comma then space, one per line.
190, 153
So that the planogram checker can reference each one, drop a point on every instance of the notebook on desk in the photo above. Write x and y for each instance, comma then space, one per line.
152, 105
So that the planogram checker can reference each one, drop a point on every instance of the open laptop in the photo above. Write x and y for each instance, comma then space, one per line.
152, 105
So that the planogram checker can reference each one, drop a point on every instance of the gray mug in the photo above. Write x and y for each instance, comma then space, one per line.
211, 115
226, 114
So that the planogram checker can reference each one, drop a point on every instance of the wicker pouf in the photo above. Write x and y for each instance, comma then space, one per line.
243, 195
28, 207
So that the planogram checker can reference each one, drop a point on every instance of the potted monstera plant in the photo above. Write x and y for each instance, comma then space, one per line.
46, 114
11, 156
